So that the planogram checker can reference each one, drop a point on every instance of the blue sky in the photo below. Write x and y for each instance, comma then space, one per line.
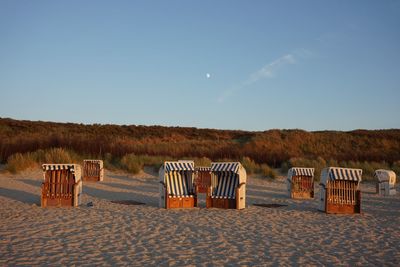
313, 65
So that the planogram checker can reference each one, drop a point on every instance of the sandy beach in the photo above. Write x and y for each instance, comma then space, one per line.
141, 235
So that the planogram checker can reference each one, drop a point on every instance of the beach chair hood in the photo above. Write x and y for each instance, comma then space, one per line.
73, 168
343, 174
385, 176
170, 166
297, 171
234, 167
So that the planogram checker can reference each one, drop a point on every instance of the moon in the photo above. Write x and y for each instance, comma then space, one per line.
208, 75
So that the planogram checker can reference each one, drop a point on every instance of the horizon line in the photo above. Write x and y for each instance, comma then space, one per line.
198, 128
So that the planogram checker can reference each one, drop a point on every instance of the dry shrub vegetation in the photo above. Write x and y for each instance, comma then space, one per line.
27, 144
22, 161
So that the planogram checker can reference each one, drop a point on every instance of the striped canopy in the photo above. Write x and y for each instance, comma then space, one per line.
99, 161
54, 167
302, 171
225, 167
179, 166
202, 169
337, 173
345, 174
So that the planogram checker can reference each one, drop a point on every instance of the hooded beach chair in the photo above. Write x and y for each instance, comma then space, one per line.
386, 181
228, 186
62, 185
177, 188
93, 170
339, 190
300, 183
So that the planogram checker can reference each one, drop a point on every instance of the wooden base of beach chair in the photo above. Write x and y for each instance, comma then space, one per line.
60, 200
345, 208
342, 209
208, 202
181, 202
91, 178
302, 195
56, 202
223, 203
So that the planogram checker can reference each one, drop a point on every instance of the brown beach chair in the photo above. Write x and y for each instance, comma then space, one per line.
300, 183
93, 170
339, 190
62, 185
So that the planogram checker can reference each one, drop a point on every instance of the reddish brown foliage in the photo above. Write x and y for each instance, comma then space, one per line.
272, 147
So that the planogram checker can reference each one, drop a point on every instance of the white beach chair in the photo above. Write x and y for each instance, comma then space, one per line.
228, 185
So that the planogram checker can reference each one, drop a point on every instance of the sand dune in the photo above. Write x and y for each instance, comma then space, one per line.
117, 234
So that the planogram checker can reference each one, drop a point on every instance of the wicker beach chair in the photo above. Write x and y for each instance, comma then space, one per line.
62, 185
177, 188
228, 186
386, 181
339, 190
93, 170
300, 183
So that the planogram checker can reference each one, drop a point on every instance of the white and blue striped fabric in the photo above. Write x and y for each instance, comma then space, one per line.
336, 173
225, 167
179, 166
296, 171
226, 187
203, 169
179, 184
55, 167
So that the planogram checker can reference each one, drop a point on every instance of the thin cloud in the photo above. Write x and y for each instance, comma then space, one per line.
269, 70
266, 72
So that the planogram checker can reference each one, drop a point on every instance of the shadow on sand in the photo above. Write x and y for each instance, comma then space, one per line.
35, 183
265, 194
22, 196
119, 177
118, 196
153, 188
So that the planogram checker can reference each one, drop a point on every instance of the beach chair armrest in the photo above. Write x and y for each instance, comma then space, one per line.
240, 185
